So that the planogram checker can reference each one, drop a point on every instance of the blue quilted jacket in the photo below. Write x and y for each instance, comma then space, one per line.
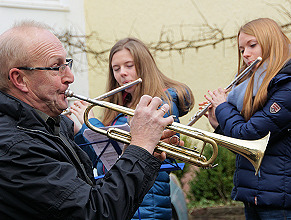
272, 185
157, 202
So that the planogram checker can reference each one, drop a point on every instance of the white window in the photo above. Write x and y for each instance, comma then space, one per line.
55, 5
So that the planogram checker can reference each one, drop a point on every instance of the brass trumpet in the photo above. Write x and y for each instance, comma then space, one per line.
253, 150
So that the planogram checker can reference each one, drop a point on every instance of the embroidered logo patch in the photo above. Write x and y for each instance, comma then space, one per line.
274, 108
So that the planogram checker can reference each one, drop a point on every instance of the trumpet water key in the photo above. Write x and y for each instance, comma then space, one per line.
200, 113
253, 150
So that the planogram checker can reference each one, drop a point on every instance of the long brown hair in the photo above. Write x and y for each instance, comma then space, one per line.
154, 81
275, 50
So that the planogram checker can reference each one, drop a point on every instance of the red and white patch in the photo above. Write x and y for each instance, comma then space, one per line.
275, 108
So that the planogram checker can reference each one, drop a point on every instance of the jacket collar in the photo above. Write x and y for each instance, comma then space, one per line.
283, 75
21, 112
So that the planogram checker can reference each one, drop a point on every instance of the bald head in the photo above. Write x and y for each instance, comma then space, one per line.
33, 45
16, 48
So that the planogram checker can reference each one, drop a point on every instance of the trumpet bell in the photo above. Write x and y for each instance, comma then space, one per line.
252, 150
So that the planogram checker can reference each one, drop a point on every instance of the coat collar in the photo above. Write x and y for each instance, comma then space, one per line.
21, 112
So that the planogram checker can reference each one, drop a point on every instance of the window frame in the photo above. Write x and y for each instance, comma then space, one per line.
54, 5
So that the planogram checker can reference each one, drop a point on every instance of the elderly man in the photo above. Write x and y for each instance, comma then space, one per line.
44, 174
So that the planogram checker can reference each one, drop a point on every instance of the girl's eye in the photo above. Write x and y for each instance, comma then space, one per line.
242, 51
116, 69
253, 45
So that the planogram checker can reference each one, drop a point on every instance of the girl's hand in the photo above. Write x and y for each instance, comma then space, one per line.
217, 97
78, 109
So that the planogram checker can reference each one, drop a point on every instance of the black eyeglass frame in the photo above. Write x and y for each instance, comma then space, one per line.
69, 63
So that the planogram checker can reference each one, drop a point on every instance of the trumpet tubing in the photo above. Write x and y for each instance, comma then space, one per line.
183, 154
253, 150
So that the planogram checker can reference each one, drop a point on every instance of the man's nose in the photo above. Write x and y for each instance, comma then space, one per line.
68, 76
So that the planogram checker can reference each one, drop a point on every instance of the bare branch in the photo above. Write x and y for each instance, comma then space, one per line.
190, 37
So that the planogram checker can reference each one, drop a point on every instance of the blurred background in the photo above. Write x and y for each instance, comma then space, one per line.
193, 41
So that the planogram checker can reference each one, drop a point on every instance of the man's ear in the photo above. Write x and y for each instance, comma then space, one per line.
18, 79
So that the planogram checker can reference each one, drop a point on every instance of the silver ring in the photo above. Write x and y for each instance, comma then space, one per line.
172, 142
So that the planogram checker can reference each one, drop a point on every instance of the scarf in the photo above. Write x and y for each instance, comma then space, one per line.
237, 94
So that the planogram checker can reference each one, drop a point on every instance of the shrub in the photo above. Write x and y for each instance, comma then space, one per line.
213, 186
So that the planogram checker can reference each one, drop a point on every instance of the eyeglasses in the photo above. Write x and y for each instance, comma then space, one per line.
61, 68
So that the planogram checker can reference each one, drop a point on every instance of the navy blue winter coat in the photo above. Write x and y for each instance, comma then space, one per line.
157, 202
272, 185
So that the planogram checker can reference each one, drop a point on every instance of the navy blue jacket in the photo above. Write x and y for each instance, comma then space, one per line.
272, 185
157, 202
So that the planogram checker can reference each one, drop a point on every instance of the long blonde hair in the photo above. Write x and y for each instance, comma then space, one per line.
275, 50
154, 81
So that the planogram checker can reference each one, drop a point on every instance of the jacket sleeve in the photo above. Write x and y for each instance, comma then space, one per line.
41, 183
116, 196
275, 116
139, 171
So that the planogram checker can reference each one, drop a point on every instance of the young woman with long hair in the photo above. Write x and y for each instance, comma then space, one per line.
259, 104
129, 60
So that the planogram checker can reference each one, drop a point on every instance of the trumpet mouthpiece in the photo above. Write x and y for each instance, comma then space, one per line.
69, 93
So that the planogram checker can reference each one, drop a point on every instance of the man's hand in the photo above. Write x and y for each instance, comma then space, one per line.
148, 123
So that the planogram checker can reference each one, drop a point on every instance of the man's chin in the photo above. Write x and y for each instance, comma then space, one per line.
62, 109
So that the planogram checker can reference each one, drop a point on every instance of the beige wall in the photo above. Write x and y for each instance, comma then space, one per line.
207, 68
